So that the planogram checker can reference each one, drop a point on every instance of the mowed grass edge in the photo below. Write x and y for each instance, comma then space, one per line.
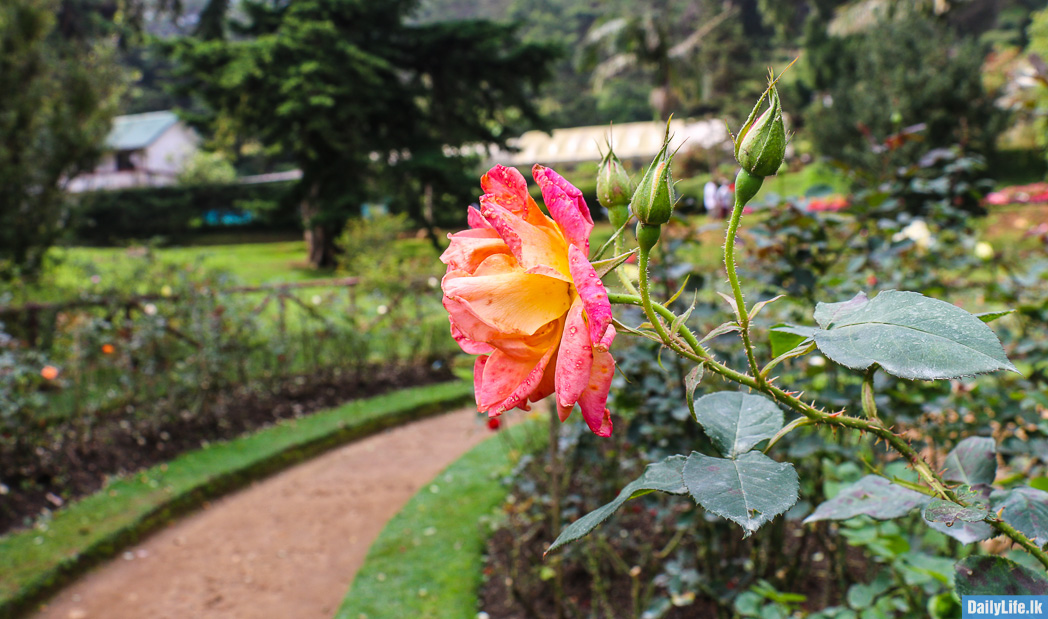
427, 562
37, 561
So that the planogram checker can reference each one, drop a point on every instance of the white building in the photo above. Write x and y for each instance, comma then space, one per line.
638, 141
142, 150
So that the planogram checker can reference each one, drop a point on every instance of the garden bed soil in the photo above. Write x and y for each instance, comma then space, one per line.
514, 588
77, 461
628, 552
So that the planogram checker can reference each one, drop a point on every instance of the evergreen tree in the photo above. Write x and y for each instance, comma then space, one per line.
361, 98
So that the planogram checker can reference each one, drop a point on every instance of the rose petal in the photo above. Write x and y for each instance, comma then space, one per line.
478, 379
502, 374
469, 248
532, 246
574, 358
522, 394
594, 398
508, 382
476, 220
564, 410
511, 302
547, 386
566, 205
534, 346
469, 331
469, 346
592, 291
506, 187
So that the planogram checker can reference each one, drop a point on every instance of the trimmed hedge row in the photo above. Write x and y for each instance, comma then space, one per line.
176, 212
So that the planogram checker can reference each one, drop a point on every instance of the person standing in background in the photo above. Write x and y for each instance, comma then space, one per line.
724, 200
709, 198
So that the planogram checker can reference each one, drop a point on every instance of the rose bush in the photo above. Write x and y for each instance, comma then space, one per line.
522, 294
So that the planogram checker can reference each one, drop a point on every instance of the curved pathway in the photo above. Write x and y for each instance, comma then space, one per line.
287, 546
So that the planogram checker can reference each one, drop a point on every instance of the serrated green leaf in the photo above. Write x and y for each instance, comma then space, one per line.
665, 476
1026, 509
784, 337
909, 335
948, 512
964, 524
988, 575
736, 422
749, 490
871, 496
973, 461
964, 532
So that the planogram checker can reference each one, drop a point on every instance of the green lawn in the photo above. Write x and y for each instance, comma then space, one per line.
253, 263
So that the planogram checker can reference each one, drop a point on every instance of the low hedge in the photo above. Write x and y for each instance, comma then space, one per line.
175, 212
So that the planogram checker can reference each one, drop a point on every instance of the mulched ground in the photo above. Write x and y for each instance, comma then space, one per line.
77, 460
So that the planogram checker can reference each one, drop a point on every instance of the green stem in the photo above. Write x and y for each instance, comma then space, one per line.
869, 405
645, 297
874, 426
741, 197
620, 248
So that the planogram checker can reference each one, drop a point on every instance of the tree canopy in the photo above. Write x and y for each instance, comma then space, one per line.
360, 97
59, 91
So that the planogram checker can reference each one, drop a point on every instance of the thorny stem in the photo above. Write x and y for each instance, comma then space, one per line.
645, 295
869, 405
620, 247
733, 279
695, 352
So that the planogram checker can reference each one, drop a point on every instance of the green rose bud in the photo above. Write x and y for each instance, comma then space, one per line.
652, 203
761, 144
613, 184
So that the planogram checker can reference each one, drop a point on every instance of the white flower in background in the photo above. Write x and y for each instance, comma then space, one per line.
316, 299
149, 309
984, 251
433, 281
382, 310
817, 361
918, 232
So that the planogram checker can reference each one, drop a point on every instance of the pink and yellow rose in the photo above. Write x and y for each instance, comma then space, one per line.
521, 292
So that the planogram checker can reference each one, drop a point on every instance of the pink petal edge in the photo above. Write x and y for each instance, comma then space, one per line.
594, 399
575, 357
566, 205
594, 295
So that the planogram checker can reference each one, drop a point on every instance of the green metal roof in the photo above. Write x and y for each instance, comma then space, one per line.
137, 131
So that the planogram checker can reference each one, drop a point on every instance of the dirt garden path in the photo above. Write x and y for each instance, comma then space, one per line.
288, 546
